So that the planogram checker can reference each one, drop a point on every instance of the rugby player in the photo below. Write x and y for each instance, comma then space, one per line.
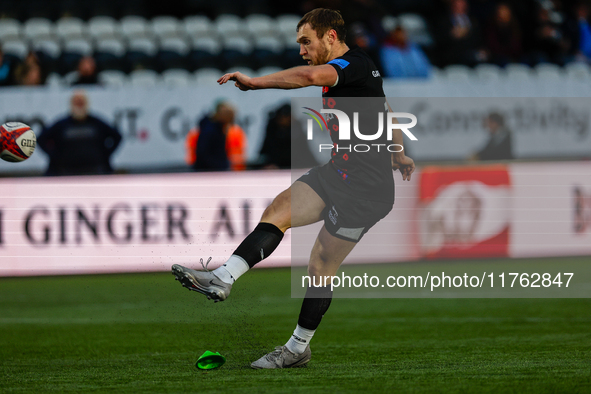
350, 193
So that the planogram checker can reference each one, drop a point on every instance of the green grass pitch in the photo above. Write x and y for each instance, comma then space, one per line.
140, 333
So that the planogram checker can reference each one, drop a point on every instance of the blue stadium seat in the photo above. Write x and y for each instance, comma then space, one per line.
73, 51
416, 29
488, 73
198, 26
110, 54
267, 51
144, 78
286, 25
134, 27
10, 29
267, 70
37, 28
54, 80
166, 27
578, 71
228, 25
48, 52
205, 52
236, 52
458, 73
112, 78
208, 76
70, 28
549, 72
100, 27
260, 25
174, 78
15, 50
291, 54
518, 72
173, 53
142, 54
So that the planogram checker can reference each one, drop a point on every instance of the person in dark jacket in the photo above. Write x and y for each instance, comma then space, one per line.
80, 143
284, 136
221, 144
499, 145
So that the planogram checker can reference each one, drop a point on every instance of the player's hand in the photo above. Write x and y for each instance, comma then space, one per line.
242, 81
405, 165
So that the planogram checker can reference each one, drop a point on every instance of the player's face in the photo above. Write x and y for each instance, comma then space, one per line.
314, 50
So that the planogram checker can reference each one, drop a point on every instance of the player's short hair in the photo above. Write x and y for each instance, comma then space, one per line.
322, 20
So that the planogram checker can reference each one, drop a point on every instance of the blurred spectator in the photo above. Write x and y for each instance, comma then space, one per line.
86, 73
80, 143
551, 44
402, 58
503, 37
6, 71
218, 144
584, 31
29, 72
285, 135
499, 145
362, 38
459, 37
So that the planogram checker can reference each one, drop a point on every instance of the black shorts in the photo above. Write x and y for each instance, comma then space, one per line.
345, 217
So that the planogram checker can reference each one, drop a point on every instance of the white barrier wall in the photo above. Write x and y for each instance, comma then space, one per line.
129, 223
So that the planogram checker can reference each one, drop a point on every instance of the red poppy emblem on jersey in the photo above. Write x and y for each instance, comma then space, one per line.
325, 89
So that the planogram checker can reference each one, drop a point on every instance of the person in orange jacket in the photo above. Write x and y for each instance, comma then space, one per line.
217, 144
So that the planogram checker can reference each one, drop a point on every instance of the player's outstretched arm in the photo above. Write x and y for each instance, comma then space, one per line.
292, 78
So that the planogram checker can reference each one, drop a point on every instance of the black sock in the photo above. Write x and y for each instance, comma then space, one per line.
259, 244
314, 307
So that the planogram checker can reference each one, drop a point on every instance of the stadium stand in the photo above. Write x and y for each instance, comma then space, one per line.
166, 27
139, 35
35, 28
144, 78
207, 76
70, 28
488, 72
578, 71
204, 52
15, 49
10, 29
196, 26
110, 54
548, 71
100, 27
173, 53
134, 27
228, 25
73, 51
236, 51
141, 53
175, 78
112, 78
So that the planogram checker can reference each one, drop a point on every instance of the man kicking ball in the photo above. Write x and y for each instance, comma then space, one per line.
351, 193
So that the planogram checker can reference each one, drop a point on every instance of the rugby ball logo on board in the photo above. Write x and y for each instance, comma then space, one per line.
17, 142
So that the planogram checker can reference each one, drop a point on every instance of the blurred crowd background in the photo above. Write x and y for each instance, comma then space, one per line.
179, 43
72, 42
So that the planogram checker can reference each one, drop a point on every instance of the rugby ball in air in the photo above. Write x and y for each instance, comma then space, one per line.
17, 142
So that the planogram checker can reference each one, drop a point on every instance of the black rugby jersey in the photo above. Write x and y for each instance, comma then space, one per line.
360, 174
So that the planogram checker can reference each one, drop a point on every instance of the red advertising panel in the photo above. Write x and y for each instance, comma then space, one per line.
464, 212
